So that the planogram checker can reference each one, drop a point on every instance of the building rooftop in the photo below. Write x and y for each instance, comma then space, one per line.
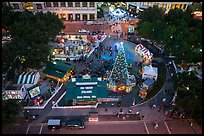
86, 89
148, 82
13, 87
57, 68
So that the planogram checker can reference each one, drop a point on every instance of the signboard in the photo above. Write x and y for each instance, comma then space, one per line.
131, 29
93, 119
86, 77
34, 92
93, 116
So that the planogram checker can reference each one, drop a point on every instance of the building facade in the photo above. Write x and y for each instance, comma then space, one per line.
135, 7
72, 11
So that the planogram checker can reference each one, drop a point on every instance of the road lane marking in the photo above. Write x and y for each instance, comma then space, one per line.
146, 128
28, 129
167, 127
41, 129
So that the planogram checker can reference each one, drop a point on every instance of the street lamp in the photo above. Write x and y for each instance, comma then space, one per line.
187, 88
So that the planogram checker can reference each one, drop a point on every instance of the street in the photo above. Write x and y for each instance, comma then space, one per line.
109, 127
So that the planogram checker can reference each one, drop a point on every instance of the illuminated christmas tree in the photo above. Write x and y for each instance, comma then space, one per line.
119, 73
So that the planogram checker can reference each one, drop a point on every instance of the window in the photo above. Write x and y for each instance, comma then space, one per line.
16, 6
84, 4
77, 17
22, 89
91, 4
63, 4
70, 4
77, 4
48, 4
92, 16
55, 4
39, 6
27, 5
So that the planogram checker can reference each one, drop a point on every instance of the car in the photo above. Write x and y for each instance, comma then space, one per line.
98, 23
88, 23
75, 124
83, 31
54, 124
96, 31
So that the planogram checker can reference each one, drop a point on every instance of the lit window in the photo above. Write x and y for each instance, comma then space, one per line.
63, 4
84, 4
77, 4
55, 4
91, 4
70, 4
27, 5
39, 6
15, 6
48, 4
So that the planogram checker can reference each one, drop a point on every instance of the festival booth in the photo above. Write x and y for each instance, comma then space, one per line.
29, 79
144, 52
15, 91
91, 39
57, 70
35, 94
150, 72
22, 82
146, 87
86, 91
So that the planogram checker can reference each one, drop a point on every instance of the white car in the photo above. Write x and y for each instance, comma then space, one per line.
83, 31
98, 23
88, 23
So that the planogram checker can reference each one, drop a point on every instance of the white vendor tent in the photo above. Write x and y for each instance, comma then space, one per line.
28, 78
150, 72
118, 13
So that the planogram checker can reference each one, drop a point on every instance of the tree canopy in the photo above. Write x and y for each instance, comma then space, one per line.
189, 94
10, 108
180, 34
30, 33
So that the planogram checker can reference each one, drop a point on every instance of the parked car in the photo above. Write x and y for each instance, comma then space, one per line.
96, 31
75, 124
83, 31
88, 23
54, 124
98, 23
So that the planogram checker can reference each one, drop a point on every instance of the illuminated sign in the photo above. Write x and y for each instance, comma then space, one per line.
86, 83
89, 91
80, 97
34, 92
86, 77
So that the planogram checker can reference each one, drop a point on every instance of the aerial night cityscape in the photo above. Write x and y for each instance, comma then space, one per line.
102, 67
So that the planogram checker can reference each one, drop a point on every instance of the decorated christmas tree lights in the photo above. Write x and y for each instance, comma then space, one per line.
119, 73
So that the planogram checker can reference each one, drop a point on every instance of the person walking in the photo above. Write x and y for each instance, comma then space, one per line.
156, 125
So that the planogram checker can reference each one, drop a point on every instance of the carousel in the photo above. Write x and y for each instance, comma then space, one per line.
118, 13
